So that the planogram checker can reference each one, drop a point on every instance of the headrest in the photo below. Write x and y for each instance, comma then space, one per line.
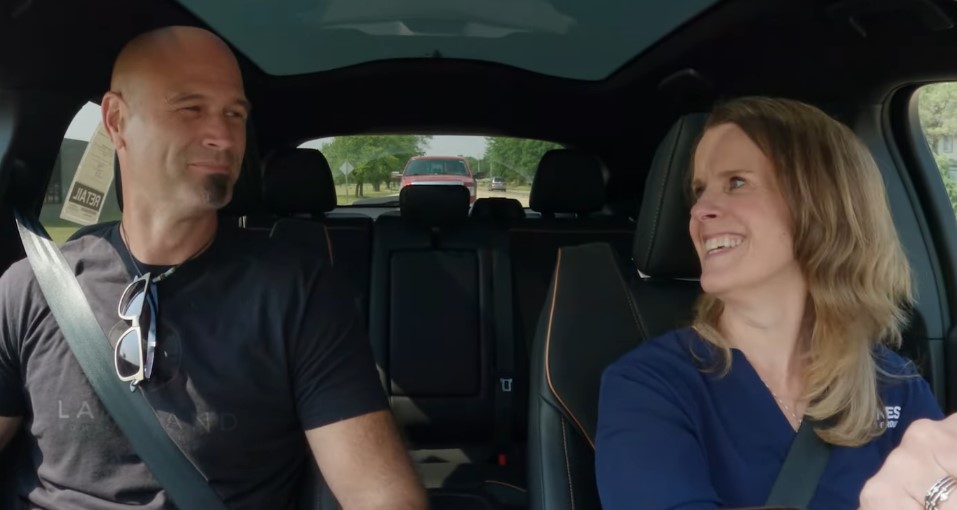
497, 209
434, 204
568, 181
663, 247
247, 195
298, 181
245, 199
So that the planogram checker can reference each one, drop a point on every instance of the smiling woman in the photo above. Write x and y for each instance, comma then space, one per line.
805, 284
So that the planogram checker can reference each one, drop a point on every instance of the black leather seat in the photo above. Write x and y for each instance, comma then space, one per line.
300, 194
579, 336
441, 334
569, 193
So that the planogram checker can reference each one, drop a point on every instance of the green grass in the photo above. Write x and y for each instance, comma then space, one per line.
58, 228
61, 234
346, 196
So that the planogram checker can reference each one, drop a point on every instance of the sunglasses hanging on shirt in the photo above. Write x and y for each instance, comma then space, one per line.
134, 353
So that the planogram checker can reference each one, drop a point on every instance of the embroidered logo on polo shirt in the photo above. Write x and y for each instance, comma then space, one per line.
888, 419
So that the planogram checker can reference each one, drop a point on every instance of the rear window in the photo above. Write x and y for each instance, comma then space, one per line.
436, 167
368, 169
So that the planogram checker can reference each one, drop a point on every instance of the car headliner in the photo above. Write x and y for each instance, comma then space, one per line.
807, 49
567, 38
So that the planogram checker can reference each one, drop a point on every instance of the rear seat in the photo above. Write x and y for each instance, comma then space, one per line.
569, 193
441, 332
298, 187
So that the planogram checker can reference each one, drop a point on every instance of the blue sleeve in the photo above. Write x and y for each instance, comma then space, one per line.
918, 401
647, 451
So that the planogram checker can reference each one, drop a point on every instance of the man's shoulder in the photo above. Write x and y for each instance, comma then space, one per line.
79, 253
271, 257
17, 277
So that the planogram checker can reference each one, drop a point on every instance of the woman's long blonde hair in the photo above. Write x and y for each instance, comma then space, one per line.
845, 242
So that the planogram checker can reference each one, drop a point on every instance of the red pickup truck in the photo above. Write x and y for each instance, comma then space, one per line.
448, 170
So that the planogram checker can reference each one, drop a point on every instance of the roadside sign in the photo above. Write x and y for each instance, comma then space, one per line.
346, 168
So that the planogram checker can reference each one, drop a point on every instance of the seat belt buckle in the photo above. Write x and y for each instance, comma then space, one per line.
506, 383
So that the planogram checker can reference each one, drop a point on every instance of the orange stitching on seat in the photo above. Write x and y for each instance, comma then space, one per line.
510, 486
548, 346
568, 467
325, 230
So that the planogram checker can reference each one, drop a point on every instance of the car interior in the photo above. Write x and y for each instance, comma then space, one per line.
491, 323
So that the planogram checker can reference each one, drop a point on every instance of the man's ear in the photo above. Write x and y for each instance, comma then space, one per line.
113, 111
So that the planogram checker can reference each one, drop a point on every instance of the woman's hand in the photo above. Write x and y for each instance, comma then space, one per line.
925, 463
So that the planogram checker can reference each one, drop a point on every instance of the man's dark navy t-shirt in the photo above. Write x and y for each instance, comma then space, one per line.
257, 342
673, 435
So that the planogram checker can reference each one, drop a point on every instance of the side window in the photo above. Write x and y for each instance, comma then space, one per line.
72, 201
937, 109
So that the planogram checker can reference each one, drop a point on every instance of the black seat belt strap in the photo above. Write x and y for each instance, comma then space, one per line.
802, 469
504, 348
130, 411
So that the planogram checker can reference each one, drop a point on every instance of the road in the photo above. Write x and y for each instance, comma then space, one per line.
521, 196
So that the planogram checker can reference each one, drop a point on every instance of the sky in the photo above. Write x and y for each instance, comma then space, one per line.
87, 119
84, 123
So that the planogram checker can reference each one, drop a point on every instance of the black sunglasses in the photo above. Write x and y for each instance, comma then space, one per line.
136, 305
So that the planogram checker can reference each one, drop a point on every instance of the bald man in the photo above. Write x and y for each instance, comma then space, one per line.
258, 357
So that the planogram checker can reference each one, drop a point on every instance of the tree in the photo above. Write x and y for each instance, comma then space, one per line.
373, 157
478, 166
937, 110
515, 159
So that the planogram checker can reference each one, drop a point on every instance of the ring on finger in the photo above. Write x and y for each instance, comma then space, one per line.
939, 492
